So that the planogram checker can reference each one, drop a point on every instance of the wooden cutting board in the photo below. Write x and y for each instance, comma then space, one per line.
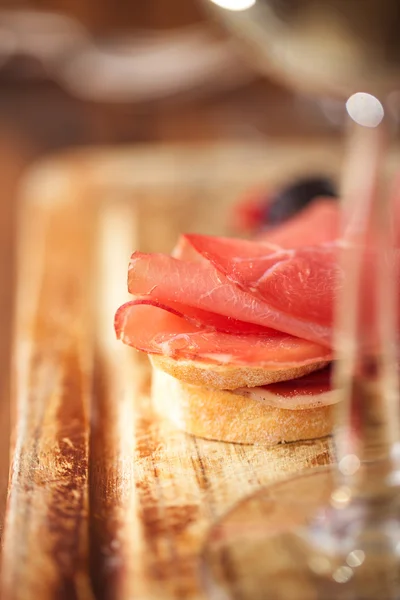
106, 500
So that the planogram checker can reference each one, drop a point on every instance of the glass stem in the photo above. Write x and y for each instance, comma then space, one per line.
368, 420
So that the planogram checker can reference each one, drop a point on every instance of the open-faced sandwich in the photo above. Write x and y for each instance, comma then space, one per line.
239, 332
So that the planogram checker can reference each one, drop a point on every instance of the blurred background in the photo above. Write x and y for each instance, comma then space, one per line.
98, 72
84, 72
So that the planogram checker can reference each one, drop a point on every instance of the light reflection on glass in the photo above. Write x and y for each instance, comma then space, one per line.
355, 558
365, 109
349, 464
340, 497
342, 574
236, 5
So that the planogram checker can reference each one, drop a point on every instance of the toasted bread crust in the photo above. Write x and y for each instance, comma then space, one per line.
229, 377
224, 416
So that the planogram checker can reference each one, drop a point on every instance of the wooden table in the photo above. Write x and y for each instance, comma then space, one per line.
14, 155
105, 499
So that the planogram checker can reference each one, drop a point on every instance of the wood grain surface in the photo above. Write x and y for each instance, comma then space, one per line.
45, 542
14, 154
105, 499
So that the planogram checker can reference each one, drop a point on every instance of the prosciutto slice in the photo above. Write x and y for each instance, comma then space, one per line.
200, 285
300, 283
318, 223
309, 391
205, 319
243, 302
157, 328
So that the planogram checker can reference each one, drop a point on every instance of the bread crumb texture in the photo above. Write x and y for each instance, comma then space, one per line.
230, 377
221, 415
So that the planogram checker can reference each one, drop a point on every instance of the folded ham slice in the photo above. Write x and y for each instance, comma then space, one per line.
300, 283
200, 285
235, 301
158, 328
317, 223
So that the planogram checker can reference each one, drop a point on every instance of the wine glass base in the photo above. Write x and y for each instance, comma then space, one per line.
267, 547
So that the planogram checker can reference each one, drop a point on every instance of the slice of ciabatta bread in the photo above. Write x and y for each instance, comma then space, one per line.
233, 417
228, 376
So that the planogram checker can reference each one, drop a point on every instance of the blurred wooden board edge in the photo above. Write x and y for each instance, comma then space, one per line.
152, 165
45, 542
135, 165
160, 488
15, 153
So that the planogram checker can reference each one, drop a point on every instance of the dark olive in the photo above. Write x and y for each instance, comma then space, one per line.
293, 198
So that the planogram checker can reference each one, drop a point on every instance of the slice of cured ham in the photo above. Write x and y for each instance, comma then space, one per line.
309, 391
276, 302
299, 283
205, 319
155, 328
200, 285
318, 223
